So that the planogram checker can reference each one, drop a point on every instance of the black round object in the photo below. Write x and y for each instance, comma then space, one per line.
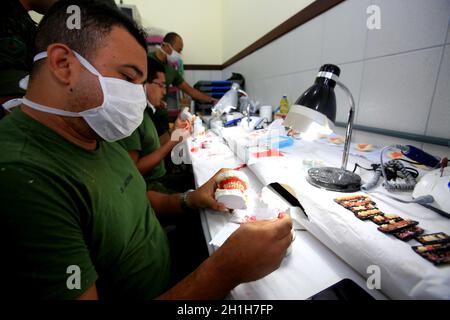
320, 96
331, 68
334, 179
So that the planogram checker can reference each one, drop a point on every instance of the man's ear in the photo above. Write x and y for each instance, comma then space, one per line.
62, 63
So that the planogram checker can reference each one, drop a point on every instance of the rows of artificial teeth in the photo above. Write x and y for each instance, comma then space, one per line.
234, 185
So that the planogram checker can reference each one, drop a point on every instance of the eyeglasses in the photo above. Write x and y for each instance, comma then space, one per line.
161, 85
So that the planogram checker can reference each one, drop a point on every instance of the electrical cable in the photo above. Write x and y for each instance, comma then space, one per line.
410, 181
424, 201
410, 178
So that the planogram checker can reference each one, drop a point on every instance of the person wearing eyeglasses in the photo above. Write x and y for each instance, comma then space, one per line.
76, 221
144, 145
167, 55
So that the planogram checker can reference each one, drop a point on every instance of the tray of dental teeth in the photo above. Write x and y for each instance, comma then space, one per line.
435, 247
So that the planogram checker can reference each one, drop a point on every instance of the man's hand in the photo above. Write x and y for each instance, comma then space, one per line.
203, 197
174, 141
254, 250
183, 124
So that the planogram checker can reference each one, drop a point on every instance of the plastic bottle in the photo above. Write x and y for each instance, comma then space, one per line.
284, 105
198, 127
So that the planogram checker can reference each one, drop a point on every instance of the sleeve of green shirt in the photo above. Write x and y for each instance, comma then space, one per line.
178, 80
44, 253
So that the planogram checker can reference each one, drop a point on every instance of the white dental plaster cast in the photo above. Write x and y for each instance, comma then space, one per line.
232, 188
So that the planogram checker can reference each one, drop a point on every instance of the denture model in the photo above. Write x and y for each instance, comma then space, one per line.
232, 188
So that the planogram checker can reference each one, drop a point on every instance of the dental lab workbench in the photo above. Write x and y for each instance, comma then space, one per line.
331, 244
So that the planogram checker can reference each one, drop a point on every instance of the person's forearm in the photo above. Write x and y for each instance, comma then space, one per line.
211, 280
200, 96
165, 205
150, 161
194, 93
164, 138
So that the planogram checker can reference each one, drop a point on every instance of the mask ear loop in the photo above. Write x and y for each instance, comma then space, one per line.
40, 56
162, 50
89, 67
95, 72
82, 60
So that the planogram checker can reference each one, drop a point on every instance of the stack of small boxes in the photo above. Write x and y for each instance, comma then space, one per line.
215, 89
435, 247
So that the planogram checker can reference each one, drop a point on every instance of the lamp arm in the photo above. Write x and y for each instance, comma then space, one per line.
243, 92
351, 118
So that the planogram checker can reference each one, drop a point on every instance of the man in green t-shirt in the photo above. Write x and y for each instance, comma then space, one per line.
144, 145
170, 52
76, 220
17, 31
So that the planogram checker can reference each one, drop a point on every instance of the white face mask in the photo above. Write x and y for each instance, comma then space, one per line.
174, 57
121, 112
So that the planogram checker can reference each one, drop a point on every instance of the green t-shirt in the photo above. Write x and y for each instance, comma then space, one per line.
173, 77
145, 140
160, 119
62, 206
17, 31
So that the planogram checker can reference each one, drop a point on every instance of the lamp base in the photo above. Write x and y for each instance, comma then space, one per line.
334, 179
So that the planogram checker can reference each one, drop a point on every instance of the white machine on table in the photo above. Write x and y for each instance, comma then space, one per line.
436, 184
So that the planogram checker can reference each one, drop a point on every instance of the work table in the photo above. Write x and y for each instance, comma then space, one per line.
335, 245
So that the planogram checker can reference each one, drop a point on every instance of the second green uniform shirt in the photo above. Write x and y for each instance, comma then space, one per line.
145, 140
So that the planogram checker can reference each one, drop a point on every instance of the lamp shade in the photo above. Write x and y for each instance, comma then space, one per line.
318, 103
317, 107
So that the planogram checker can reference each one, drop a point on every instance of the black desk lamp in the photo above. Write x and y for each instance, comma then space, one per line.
317, 106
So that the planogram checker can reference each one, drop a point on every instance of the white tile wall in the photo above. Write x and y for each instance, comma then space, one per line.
284, 51
448, 32
279, 86
265, 67
192, 76
378, 140
300, 82
256, 65
439, 122
344, 39
351, 77
438, 151
397, 91
395, 74
306, 46
189, 77
408, 25
261, 91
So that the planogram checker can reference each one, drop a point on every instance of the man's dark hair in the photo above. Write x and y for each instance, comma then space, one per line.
97, 20
171, 37
153, 68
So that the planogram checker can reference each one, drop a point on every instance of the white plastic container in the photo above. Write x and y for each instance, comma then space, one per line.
266, 112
